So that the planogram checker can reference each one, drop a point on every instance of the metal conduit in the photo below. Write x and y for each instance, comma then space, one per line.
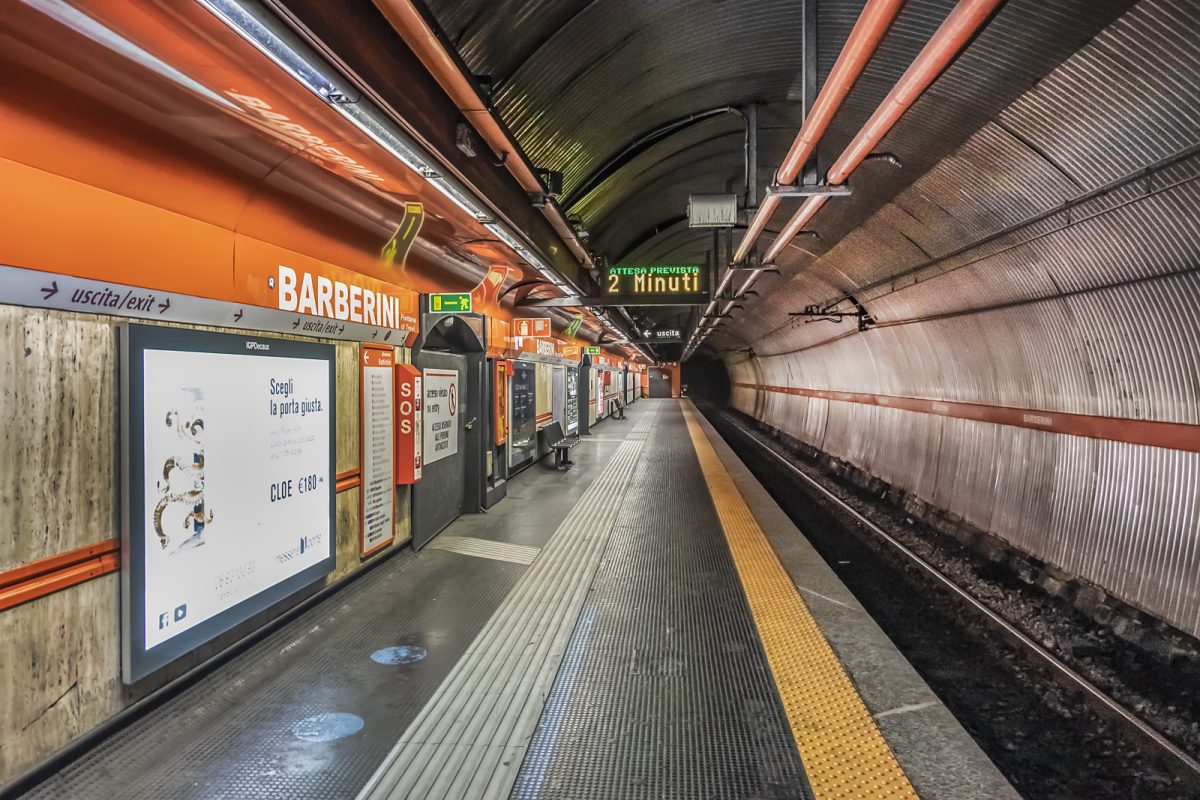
960, 25
872, 25
951, 37
418, 35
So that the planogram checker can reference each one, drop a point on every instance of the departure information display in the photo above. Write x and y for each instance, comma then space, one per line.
687, 283
229, 483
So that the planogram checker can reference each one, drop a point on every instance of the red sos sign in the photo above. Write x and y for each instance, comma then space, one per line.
408, 424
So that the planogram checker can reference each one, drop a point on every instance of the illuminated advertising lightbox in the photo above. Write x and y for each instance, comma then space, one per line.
687, 283
572, 410
522, 425
228, 483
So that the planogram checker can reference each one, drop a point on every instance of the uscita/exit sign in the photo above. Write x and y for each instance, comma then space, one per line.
592, 350
450, 303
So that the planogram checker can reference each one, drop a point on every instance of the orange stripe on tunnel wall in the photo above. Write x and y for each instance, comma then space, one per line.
48, 575
1152, 433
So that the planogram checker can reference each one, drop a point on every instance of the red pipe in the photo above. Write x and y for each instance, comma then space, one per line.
806, 212
873, 24
951, 37
417, 34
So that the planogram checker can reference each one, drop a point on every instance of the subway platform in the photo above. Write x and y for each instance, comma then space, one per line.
648, 624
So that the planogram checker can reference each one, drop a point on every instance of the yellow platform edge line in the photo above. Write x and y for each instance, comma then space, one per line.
841, 746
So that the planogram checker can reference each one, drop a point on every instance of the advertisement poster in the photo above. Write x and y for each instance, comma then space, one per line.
601, 408
500, 402
377, 449
229, 474
572, 400
523, 414
441, 414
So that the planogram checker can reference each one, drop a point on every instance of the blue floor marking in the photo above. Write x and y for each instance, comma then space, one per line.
327, 727
404, 654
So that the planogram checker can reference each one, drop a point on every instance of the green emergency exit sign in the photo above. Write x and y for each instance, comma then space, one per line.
592, 350
450, 303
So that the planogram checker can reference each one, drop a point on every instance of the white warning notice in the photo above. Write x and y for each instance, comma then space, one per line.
440, 434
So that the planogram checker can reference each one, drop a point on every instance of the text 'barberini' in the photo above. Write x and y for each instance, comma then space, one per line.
328, 297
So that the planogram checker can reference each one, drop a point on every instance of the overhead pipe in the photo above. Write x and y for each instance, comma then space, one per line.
424, 42
960, 25
963, 22
872, 25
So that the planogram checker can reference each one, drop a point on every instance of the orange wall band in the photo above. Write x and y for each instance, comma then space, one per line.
347, 480
101, 193
1151, 433
55, 573
48, 575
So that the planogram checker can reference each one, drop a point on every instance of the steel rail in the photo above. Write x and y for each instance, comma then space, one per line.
1064, 673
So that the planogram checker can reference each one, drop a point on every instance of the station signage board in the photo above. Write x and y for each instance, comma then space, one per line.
663, 335
409, 427
227, 459
439, 412
376, 453
391, 305
535, 327
686, 283
450, 303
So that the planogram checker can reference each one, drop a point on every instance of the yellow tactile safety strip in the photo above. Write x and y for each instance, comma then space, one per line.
844, 753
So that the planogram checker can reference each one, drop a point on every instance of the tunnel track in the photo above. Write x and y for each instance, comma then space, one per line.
1031, 773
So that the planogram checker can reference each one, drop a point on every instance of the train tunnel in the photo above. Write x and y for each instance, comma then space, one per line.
600, 399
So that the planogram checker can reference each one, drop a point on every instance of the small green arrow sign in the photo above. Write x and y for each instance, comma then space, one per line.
450, 303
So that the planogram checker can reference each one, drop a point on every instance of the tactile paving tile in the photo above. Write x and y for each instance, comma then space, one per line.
844, 752
664, 691
230, 735
485, 548
468, 741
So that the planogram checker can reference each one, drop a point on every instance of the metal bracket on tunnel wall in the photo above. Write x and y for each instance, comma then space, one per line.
818, 313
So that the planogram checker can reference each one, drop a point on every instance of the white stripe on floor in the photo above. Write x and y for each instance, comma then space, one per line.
471, 737
485, 548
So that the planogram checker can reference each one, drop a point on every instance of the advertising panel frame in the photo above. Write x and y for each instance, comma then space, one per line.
521, 456
138, 662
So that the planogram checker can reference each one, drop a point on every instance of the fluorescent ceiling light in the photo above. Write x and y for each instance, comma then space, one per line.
81, 23
260, 28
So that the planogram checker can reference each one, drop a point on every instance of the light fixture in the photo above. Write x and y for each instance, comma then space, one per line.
272, 38
82, 24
